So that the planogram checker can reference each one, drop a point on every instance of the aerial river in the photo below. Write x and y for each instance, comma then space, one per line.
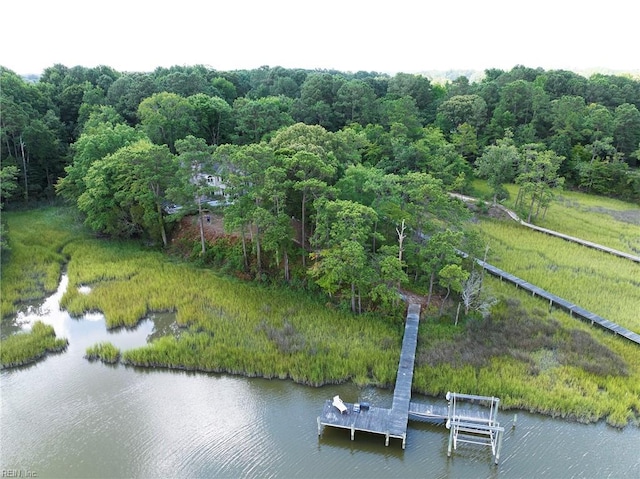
68, 417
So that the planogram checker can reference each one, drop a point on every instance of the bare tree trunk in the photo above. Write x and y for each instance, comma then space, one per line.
519, 197
287, 276
244, 248
24, 170
258, 252
401, 237
353, 297
533, 198
162, 229
201, 221
431, 281
444, 301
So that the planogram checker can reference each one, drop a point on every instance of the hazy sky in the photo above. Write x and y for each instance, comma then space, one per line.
347, 35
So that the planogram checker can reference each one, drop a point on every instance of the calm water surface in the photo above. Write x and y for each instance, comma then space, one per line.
67, 417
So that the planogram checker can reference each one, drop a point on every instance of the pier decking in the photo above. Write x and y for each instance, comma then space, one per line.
571, 308
468, 423
392, 423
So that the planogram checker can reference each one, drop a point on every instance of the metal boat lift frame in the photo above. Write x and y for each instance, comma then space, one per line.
474, 429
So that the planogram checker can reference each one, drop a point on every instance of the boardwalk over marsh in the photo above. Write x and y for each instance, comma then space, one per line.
571, 308
557, 234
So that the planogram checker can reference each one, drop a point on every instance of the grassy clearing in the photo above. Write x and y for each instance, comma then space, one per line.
597, 281
105, 352
602, 220
598, 219
26, 348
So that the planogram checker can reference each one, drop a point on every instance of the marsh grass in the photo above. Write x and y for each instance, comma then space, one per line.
599, 282
104, 351
227, 325
240, 328
24, 348
32, 267
606, 221
545, 362
528, 336
598, 219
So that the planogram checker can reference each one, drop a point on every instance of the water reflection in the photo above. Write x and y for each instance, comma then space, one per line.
90, 328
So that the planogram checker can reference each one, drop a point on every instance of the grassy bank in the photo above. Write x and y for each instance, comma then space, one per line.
533, 359
25, 348
606, 221
599, 282
32, 267
231, 326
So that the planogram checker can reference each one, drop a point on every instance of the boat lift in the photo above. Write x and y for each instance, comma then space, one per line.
468, 428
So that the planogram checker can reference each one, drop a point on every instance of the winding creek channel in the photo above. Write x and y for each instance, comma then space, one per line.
68, 417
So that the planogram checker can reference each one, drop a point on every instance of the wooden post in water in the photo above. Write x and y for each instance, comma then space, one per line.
515, 420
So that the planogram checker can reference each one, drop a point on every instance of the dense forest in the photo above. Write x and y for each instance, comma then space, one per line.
333, 180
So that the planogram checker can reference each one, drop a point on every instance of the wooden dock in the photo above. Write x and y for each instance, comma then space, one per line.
469, 423
392, 423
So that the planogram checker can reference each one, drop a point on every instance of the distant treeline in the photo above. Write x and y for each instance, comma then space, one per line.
593, 123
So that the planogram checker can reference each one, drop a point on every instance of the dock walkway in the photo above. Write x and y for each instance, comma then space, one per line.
392, 423
466, 423
571, 308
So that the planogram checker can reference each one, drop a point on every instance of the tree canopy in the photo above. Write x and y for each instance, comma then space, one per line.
332, 180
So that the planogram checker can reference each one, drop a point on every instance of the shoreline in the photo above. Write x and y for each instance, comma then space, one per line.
179, 368
35, 359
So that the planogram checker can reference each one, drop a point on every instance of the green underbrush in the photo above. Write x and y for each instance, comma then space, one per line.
25, 348
32, 267
105, 352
